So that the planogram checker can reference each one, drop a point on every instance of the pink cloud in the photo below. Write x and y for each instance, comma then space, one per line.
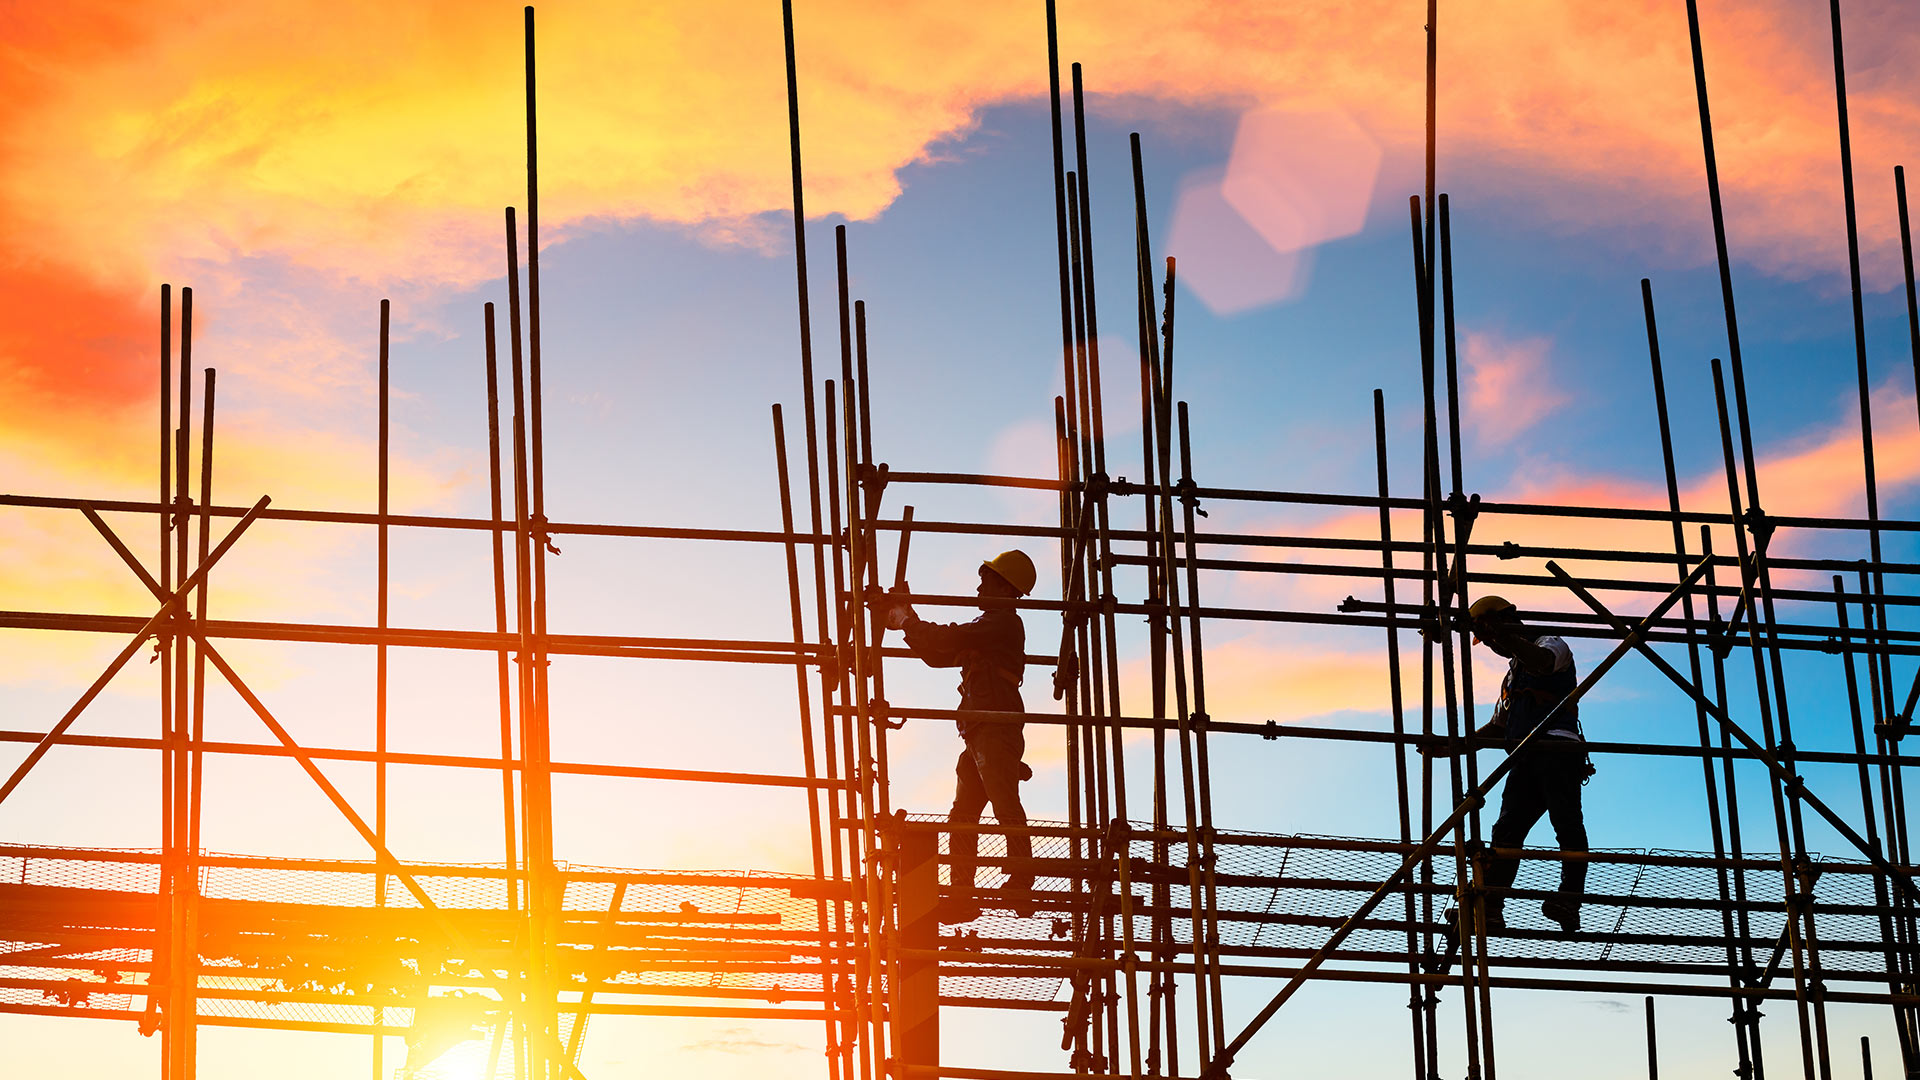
1815, 473
1507, 386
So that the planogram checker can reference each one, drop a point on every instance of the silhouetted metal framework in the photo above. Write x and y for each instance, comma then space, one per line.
1143, 915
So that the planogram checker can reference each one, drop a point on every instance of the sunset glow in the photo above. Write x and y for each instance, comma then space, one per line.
624, 743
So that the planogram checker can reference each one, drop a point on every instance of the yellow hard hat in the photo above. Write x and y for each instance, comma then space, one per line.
1015, 569
1489, 605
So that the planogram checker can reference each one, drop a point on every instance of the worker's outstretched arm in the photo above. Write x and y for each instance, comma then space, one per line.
1493, 730
1536, 658
940, 644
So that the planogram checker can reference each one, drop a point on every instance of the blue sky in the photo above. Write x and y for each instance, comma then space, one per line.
667, 341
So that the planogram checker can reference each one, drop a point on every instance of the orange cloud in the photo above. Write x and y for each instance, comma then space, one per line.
383, 138
1288, 674
1253, 679
378, 141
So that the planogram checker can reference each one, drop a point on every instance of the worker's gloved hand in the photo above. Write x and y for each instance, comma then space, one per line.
899, 615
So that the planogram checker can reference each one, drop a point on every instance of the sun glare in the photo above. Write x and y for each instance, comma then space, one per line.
467, 1061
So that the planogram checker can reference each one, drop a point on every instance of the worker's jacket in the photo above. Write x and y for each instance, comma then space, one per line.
991, 654
1526, 699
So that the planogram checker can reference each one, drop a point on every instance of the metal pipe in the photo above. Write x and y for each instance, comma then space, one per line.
380, 625
1471, 902
510, 846
167, 608
1785, 821
1681, 560
1887, 933
1415, 941
1217, 1067
164, 646
805, 703
1456, 583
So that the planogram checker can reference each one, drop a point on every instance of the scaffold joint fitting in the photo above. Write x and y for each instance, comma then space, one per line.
873, 481
537, 528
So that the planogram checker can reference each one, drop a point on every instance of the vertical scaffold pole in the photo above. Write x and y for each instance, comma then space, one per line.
1454, 588
1439, 602
1414, 1007
1751, 566
156, 1011
181, 1006
380, 662
1682, 562
1161, 986
188, 883
806, 716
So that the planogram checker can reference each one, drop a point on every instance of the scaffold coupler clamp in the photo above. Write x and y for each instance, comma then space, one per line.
1759, 526
882, 714
1097, 486
1464, 508
1717, 638
1189, 495
890, 828
1198, 721
1065, 673
1808, 872
873, 481
1119, 836
1270, 730
833, 663
1075, 1022
537, 527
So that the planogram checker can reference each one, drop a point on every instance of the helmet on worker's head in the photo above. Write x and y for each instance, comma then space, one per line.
1489, 605
1014, 568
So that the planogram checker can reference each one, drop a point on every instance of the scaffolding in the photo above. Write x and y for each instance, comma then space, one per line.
1141, 917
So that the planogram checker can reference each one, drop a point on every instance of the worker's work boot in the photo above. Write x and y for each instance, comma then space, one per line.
1564, 911
1019, 890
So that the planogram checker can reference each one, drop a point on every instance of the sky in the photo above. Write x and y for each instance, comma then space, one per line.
296, 162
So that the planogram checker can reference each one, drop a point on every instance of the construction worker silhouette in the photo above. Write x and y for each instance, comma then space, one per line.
990, 652
1546, 778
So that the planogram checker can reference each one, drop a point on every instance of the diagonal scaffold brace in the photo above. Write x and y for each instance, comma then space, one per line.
382, 853
1217, 1068
1792, 782
169, 602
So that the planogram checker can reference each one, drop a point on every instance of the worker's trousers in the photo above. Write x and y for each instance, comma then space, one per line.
1545, 779
990, 771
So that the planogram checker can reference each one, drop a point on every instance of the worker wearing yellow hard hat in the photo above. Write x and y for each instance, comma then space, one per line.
990, 652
